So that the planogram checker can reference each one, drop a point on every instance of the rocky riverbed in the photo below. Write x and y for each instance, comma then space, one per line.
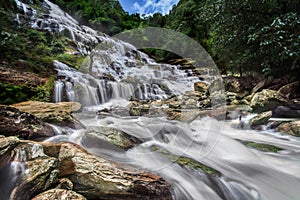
45, 170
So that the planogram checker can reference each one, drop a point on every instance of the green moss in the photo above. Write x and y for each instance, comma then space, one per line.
71, 60
165, 88
43, 92
186, 162
261, 146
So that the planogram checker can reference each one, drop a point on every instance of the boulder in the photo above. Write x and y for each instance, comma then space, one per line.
291, 128
289, 90
7, 144
14, 122
190, 115
239, 85
266, 100
38, 171
64, 183
260, 119
237, 108
98, 178
111, 135
54, 113
273, 84
285, 111
59, 194
216, 86
29, 169
201, 87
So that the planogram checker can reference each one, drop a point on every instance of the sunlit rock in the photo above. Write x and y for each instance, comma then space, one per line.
266, 100
260, 119
96, 177
59, 194
292, 128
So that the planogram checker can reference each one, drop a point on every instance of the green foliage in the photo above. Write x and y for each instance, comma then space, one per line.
242, 36
36, 48
71, 60
106, 16
254, 36
43, 92
10, 94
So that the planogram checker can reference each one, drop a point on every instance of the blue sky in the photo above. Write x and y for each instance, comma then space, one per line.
148, 6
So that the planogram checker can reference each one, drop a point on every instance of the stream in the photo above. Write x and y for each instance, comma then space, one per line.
116, 72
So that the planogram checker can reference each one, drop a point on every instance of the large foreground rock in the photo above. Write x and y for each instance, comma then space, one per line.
98, 178
55, 113
33, 169
291, 128
266, 100
25, 170
14, 122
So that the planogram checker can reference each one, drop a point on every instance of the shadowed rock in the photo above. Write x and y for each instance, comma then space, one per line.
55, 113
13, 122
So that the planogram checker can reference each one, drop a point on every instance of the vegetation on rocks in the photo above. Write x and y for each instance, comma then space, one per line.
186, 162
262, 147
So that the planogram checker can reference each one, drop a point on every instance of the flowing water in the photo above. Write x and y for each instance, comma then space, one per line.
246, 173
115, 72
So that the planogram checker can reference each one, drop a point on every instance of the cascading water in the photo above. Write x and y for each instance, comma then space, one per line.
245, 173
117, 70
58, 90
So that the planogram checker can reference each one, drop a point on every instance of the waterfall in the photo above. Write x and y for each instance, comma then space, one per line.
58, 91
114, 72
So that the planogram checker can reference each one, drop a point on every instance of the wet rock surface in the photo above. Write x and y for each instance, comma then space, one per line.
14, 122
285, 111
44, 170
59, 194
111, 135
291, 128
96, 177
260, 119
54, 113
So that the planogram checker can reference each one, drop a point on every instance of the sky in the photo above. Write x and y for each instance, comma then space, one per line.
148, 7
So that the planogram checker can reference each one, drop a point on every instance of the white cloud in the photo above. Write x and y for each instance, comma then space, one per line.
150, 6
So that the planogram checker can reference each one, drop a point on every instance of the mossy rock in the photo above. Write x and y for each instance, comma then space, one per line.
262, 147
186, 162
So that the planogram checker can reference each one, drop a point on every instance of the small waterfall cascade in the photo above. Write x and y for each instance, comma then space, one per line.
58, 90
57, 21
115, 69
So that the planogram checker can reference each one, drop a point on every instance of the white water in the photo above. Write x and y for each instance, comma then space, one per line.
58, 21
246, 173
